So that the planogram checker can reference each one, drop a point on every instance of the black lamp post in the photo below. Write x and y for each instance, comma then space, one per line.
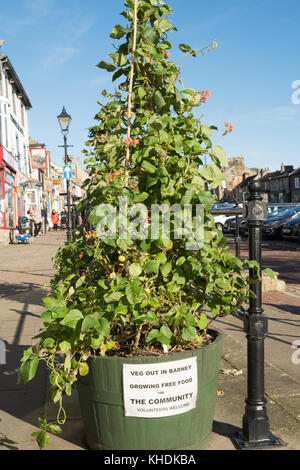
64, 120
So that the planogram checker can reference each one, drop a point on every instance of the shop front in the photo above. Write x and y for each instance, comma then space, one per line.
8, 197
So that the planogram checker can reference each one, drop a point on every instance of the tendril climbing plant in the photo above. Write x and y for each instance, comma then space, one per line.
127, 296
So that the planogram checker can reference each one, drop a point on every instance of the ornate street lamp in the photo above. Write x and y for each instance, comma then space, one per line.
64, 120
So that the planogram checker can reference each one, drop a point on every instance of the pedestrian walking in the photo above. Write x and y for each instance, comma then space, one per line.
37, 219
45, 217
54, 219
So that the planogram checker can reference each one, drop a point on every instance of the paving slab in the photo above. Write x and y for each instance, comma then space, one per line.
24, 275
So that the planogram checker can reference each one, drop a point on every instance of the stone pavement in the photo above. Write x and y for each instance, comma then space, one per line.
25, 271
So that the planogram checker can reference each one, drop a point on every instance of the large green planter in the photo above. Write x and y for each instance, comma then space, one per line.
102, 406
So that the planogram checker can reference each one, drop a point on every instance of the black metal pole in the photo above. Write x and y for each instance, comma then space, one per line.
256, 429
237, 237
69, 229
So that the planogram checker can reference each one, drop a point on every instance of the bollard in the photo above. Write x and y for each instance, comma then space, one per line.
256, 430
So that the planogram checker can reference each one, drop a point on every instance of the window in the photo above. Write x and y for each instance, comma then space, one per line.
25, 160
7, 200
14, 101
232, 172
6, 132
297, 181
22, 114
18, 156
3, 125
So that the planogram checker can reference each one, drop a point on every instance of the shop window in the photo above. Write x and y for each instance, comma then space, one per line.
7, 201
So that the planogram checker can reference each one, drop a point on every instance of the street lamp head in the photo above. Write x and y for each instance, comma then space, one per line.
64, 120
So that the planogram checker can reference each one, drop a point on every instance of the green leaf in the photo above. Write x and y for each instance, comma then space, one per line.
151, 317
159, 100
148, 167
28, 369
161, 258
162, 25
56, 306
269, 272
103, 283
48, 343
89, 322
67, 362
104, 327
149, 34
165, 335
46, 317
42, 438
219, 153
117, 32
155, 123
165, 269
118, 59
113, 297
141, 92
54, 429
152, 335
106, 66
202, 322
83, 369
184, 47
134, 292
140, 197
134, 270
151, 267
64, 346
72, 318
212, 174
153, 302
189, 333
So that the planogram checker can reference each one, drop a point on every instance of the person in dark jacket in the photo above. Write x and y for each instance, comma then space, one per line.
45, 215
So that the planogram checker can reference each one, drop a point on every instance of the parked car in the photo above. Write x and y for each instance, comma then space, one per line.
289, 229
272, 226
273, 210
230, 224
220, 219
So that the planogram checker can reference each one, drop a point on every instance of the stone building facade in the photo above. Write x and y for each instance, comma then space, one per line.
236, 178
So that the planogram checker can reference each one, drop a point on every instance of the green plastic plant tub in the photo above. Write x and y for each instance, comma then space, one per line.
102, 405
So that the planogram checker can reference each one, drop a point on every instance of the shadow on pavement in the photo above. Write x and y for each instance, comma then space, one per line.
14, 291
7, 443
294, 309
24, 401
225, 429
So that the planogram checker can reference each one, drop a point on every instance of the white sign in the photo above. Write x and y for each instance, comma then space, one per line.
162, 389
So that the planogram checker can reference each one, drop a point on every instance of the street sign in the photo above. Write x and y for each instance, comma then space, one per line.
67, 172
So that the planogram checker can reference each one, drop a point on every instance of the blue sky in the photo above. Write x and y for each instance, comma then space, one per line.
55, 46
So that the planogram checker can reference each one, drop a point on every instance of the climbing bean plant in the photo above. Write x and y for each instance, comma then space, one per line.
125, 295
